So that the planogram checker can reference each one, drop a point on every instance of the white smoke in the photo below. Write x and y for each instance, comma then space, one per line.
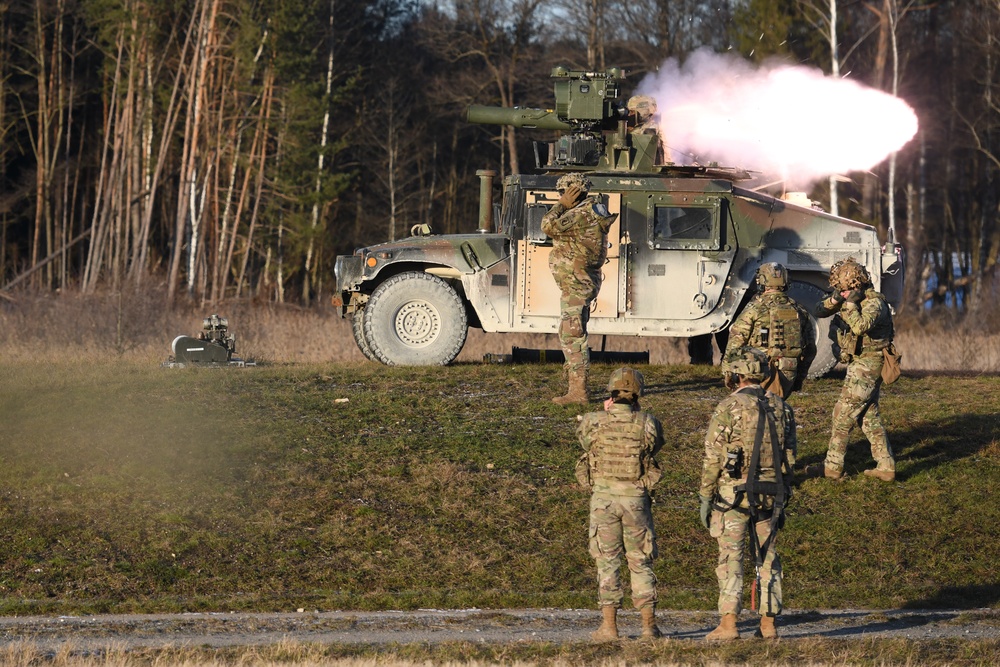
790, 122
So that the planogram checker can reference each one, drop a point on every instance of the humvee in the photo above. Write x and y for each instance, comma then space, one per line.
683, 250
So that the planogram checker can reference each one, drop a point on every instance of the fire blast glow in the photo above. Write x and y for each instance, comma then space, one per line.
787, 121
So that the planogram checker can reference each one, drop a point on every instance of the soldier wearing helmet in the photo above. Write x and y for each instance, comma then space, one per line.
619, 468
863, 322
578, 226
775, 323
643, 120
745, 480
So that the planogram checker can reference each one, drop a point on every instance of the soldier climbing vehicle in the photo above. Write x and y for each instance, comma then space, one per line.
684, 248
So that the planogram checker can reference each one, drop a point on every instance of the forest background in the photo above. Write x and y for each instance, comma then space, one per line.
209, 150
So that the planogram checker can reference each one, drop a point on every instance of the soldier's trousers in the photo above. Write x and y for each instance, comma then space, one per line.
623, 524
577, 289
731, 529
858, 405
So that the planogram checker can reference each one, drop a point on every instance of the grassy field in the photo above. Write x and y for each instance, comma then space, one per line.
127, 487
341, 484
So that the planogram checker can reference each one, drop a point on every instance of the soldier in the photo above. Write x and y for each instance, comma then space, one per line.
863, 322
746, 478
773, 322
643, 108
578, 226
619, 468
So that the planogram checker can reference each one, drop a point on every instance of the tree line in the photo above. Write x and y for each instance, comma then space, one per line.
232, 148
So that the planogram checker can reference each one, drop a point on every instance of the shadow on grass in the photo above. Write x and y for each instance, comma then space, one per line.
920, 449
959, 597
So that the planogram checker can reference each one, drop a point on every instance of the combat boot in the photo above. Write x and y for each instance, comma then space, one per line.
884, 475
767, 629
726, 631
649, 628
608, 632
577, 392
822, 470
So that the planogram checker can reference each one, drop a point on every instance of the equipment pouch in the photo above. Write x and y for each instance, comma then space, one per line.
651, 474
890, 365
582, 471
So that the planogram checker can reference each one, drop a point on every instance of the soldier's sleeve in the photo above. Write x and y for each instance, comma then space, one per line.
862, 319
585, 430
828, 306
739, 333
562, 223
654, 434
720, 430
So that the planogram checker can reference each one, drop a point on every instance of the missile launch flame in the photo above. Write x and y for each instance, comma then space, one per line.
788, 121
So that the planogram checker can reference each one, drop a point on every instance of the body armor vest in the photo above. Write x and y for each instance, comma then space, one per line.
616, 455
784, 332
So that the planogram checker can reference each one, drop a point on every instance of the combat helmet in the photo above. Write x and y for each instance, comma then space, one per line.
643, 106
627, 382
751, 363
847, 274
569, 180
772, 276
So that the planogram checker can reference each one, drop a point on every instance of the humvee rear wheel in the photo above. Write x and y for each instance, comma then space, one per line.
415, 319
807, 295
358, 329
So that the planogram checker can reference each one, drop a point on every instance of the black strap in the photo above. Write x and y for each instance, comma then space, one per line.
755, 487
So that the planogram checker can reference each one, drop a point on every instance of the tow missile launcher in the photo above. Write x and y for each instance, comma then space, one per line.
683, 250
214, 346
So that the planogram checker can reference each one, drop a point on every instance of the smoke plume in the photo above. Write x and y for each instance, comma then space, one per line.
787, 121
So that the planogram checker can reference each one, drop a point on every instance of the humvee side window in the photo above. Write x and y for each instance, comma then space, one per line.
684, 227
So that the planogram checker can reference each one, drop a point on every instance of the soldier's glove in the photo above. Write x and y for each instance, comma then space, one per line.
854, 296
706, 510
569, 198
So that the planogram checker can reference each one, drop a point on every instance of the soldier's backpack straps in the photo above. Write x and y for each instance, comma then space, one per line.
755, 487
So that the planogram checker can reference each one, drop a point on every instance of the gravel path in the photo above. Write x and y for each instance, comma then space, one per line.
475, 625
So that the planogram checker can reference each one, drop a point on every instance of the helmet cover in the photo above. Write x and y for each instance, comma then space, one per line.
772, 276
847, 274
627, 382
569, 180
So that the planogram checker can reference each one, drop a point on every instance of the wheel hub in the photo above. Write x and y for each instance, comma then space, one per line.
417, 323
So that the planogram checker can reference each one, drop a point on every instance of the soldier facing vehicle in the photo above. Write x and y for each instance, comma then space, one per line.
620, 470
775, 323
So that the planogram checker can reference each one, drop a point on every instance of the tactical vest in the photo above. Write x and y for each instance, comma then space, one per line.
785, 328
616, 453
739, 453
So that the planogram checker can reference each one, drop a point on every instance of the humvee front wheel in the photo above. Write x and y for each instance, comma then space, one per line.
358, 329
807, 295
415, 319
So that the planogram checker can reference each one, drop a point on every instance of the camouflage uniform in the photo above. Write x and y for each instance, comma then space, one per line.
732, 429
643, 107
864, 330
579, 250
620, 444
756, 327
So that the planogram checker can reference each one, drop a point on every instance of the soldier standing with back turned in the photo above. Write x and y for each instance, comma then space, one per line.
578, 226
863, 321
773, 322
746, 479
620, 470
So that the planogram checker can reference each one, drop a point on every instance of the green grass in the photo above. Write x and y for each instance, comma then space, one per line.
128, 487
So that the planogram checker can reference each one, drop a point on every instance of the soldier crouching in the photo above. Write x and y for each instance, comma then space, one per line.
620, 470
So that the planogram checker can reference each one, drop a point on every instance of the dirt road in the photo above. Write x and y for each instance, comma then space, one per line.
475, 625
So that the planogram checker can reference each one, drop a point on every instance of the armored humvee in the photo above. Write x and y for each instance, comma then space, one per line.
683, 250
